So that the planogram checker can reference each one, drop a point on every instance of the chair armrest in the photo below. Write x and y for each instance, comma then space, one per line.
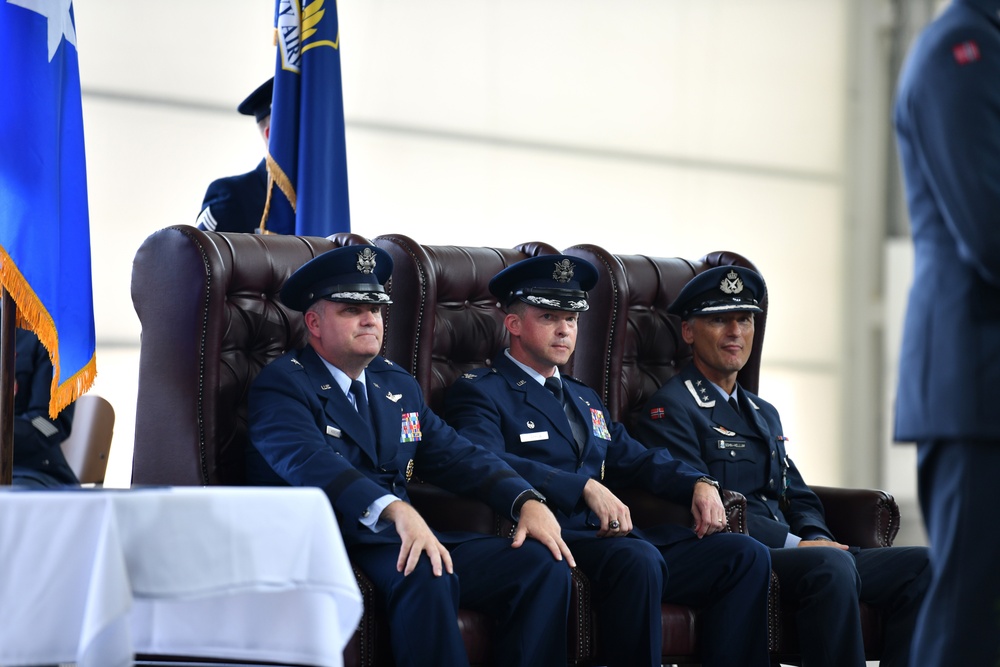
649, 510
860, 517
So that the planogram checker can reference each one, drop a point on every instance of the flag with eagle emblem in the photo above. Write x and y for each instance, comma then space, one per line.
307, 155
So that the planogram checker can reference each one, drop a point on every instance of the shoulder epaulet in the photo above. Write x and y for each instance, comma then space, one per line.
384, 365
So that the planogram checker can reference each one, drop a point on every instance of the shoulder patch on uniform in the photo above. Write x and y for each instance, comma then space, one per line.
966, 52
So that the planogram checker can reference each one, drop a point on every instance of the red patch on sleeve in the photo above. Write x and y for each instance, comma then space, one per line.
966, 52
657, 413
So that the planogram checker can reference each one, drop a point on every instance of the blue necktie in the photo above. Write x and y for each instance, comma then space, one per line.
735, 406
360, 400
579, 433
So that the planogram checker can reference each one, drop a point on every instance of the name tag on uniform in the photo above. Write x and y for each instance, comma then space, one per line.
533, 437
732, 444
335, 432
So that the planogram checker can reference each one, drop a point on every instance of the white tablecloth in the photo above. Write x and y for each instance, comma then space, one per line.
222, 572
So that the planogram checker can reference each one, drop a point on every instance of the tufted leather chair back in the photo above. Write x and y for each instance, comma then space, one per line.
443, 320
211, 319
628, 345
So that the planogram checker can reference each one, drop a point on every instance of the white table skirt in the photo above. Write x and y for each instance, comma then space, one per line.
222, 572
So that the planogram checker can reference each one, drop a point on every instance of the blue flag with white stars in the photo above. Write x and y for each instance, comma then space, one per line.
45, 261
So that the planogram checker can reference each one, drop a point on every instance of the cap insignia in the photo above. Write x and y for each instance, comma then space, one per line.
564, 271
731, 283
366, 261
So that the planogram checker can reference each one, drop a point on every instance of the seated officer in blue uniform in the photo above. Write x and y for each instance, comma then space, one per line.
38, 455
704, 418
236, 203
337, 416
554, 431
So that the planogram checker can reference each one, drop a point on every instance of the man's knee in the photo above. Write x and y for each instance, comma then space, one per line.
834, 568
748, 552
422, 583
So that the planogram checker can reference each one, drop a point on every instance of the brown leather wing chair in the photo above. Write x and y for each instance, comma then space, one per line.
633, 346
211, 320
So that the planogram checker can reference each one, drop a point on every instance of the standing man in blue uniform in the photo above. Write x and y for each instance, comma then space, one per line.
947, 118
556, 433
337, 416
707, 420
236, 203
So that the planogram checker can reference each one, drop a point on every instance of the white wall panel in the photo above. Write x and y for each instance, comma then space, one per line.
715, 80
201, 51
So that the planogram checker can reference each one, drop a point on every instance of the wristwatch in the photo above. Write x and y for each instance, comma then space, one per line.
525, 496
709, 480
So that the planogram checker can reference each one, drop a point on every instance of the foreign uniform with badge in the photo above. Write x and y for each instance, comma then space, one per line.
559, 446
744, 447
308, 427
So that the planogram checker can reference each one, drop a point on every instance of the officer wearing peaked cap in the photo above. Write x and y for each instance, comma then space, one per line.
555, 432
236, 203
552, 282
337, 416
353, 274
719, 290
706, 419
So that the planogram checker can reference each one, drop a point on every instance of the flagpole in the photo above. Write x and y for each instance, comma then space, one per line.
7, 317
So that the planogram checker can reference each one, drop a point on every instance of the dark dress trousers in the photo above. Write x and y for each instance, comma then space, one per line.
725, 575
305, 432
235, 203
947, 121
746, 452
38, 455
